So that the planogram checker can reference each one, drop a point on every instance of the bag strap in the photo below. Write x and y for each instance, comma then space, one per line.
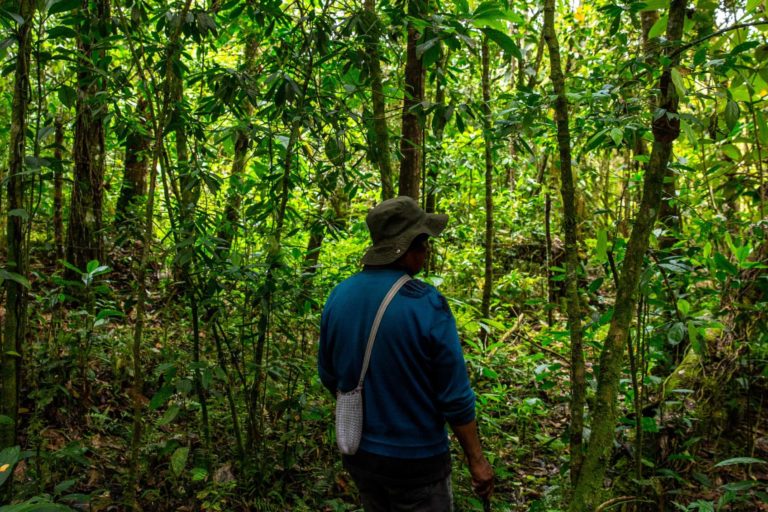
376, 321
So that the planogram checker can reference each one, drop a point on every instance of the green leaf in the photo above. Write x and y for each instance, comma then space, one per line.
61, 32
67, 96
731, 114
19, 212
8, 459
683, 306
659, 27
505, 42
731, 152
179, 460
199, 474
752, 4
696, 341
63, 486
740, 460
676, 333
677, 80
13, 276
689, 133
159, 398
423, 47
617, 134
59, 6
762, 128
109, 313
601, 251
169, 415
5, 420
649, 424
654, 5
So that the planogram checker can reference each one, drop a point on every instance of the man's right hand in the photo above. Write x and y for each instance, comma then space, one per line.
482, 477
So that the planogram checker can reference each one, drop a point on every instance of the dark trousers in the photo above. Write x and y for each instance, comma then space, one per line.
382, 497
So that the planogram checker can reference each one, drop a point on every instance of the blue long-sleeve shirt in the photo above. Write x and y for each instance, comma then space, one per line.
417, 377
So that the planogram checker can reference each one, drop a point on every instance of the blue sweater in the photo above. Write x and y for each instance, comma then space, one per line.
417, 378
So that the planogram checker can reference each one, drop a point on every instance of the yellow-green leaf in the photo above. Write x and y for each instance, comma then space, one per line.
677, 80
659, 27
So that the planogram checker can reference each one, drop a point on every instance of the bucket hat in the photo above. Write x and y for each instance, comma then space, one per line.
394, 224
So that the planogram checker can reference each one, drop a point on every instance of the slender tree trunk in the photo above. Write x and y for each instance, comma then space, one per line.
58, 190
274, 249
488, 143
669, 212
15, 327
84, 236
413, 95
570, 227
137, 156
665, 130
371, 38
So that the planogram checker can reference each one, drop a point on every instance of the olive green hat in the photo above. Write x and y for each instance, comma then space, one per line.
394, 224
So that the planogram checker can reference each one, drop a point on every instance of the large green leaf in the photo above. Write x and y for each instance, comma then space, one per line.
8, 459
740, 460
179, 460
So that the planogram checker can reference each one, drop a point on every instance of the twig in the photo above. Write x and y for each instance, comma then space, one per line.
620, 500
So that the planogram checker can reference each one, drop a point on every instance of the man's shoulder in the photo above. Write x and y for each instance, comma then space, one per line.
417, 289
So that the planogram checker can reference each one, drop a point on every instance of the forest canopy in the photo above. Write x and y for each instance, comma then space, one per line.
184, 182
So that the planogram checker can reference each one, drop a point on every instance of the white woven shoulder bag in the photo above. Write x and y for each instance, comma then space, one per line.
349, 405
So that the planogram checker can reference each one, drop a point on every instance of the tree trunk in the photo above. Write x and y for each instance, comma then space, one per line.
665, 130
570, 228
137, 147
669, 213
15, 327
58, 190
488, 143
371, 38
84, 237
413, 95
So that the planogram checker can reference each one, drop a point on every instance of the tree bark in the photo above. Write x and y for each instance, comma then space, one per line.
58, 190
413, 95
371, 38
665, 130
137, 148
15, 327
570, 228
84, 236
488, 144
669, 212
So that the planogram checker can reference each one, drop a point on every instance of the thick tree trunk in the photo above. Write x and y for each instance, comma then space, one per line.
488, 143
371, 39
137, 148
84, 236
570, 228
665, 130
15, 327
413, 95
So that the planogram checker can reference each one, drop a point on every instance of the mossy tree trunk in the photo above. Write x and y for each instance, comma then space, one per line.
570, 227
134, 186
380, 144
413, 95
84, 235
666, 129
15, 326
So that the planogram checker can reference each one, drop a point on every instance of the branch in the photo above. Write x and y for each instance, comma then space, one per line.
695, 42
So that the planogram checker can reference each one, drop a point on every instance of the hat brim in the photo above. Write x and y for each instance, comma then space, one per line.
387, 252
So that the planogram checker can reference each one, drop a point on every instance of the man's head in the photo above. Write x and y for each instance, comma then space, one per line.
399, 226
